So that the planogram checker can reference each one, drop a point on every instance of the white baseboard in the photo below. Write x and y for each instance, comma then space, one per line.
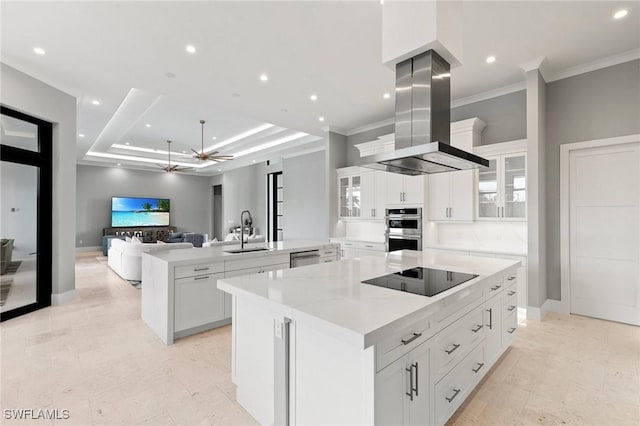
556, 306
90, 248
534, 313
61, 298
549, 305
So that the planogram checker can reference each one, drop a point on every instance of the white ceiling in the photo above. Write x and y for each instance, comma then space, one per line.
120, 52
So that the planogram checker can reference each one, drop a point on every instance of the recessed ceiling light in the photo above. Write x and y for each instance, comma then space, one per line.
313, 97
95, 102
184, 152
219, 170
320, 118
39, 51
214, 138
81, 135
119, 164
264, 77
190, 48
127, 143
491, 59
386, 96
147, 125
253, 161
618, 15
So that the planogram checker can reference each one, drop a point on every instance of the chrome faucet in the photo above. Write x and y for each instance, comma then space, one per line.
249, 222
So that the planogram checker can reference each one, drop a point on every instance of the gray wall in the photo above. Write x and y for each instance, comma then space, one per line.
26, 94
245, 189
599, 104
305, 211
190, 198
506, 118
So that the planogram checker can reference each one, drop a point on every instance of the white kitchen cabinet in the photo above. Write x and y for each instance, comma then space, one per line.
350, 193
403, 189
374, 187
198, 301
502, 188
451, 196
402, 390
493, 327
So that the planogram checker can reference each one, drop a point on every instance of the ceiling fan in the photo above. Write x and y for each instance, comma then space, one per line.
211, 156
169, 168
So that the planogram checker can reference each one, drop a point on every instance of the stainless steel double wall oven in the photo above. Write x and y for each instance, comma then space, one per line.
403, 229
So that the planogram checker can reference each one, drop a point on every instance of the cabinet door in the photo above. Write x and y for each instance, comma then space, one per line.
356, 196
493, 327
368, 191
439, 194
462, 199
343, 191
488, 192
414, 189
197, 301
419, 407
395, 185
380, 195
514, 178
391, 389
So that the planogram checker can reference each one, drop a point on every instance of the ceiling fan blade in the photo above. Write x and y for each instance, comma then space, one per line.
212, 152
196, 152
222, 157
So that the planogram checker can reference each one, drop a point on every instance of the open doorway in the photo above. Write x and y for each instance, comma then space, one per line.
217, 212
276, 206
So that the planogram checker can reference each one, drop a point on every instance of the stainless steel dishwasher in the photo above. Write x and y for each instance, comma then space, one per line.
303, 258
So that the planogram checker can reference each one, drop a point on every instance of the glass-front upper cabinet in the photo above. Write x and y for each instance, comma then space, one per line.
502, 188
344, 190
356, 196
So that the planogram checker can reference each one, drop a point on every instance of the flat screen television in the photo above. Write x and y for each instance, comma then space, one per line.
138, 212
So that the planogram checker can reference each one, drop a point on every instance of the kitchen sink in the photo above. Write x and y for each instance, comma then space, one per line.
246, 250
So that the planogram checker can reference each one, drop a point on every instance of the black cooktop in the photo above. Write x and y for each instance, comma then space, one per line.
425, 281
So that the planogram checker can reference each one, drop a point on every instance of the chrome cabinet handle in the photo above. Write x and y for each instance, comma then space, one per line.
480, 365
478, 327
450, 212
455, 393
511, 293
511, 278
410, 371
205, 277
511, 330
490, 310
503, 212
401, 196
411, 339
511, 308
200, 269
494, 288
450, 351
497, 211
417, 377
368, 246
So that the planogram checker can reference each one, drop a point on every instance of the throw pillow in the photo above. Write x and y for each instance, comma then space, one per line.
229, 237
136, 240
160, 242
127, 239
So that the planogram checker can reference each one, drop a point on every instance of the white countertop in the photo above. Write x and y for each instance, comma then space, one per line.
496, 248
356, 240
220, 253
333, 298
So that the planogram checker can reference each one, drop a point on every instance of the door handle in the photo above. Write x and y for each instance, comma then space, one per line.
511, 330
503, 211
417, 377
478, 327
455, 393
490, 310
480, 365
410, 371
511, 293
411, 339
450, 351
511, 308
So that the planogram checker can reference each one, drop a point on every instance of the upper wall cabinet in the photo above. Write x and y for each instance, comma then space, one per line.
403, 190
361, 193
502, 188
452, 194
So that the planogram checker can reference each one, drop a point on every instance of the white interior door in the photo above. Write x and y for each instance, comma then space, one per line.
604, 192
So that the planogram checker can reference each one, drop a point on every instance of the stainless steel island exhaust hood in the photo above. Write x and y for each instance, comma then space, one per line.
423, 120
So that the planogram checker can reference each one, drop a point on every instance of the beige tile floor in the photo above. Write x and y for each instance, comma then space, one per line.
96, 358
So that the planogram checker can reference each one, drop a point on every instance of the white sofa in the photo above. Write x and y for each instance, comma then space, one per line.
125, 258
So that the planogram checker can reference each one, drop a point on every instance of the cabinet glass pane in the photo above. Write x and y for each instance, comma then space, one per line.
356, 196
488, 190
515, 203
344, 197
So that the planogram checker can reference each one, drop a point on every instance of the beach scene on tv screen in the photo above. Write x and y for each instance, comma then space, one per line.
139, 212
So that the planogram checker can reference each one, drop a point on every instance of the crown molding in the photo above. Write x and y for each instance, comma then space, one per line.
372, 126
609, 61
489, 94
334, 129
540, 64
469, 125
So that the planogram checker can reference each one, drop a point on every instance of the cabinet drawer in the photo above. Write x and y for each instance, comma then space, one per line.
256, 262
370, 246
494, 285
509, 329
510, 277
509, 303
452, 390
454, 342
330, 252
197, 301
404, 340
327, 259
458, 304
194, 270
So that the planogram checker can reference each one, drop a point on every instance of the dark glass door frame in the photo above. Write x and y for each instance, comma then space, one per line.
42, 159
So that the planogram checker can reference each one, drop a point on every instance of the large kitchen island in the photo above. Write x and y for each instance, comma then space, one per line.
316, 345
